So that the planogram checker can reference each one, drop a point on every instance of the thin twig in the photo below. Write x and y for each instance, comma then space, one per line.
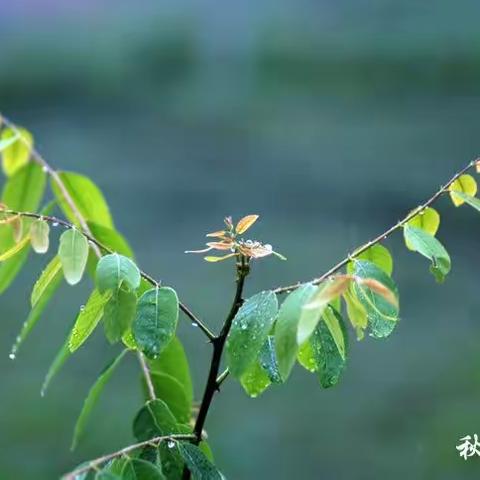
382, 236
58, 221
94, 464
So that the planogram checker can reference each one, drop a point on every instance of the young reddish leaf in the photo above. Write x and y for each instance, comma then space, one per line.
218, 234
333, 289
379, 288
245, 223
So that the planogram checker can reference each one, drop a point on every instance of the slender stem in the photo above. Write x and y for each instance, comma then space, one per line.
212, 385
148, 377
382, 236
102, 247
94, 464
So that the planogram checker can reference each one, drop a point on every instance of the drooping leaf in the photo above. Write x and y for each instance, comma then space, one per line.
43, 291
171, 461
111, 239
92, 398
173, 361
250, 329
52, 271
156, 320
138, 469
61, 357
356, 313
472, 201
154, 419
328, 359
326, 292
428, 220
73, 254
382, 316
198, 464
22, 192
377, 254
286, 327
118, 313
306, 357
86, 196
39, 236
431, 248
114, 270
15, 249
15, 147
255, 380
333, 321
268, 360
88, 319
464, 184
171, 391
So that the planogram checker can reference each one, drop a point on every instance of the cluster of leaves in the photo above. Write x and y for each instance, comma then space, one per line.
265, 339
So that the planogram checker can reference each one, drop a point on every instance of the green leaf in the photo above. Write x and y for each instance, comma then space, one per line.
51, 272
61, 357
156, 320
472, 201
173, 361
119, 313
268, 360
73, 253
154, 419
43, 291
88, 319
286, 327
306, 357
331, 319
377, 254
428, 220
328, 360
250, 329
431, 248
15, 147
22, 192
111, 239
114, 270
106, 475
92, 398
464, 184
382, 315
255, 380
86, 196
39, 236
171, 391
312, 312
198, 464
356, 313
138, 469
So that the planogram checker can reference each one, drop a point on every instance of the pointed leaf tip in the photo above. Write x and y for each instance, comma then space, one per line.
245, 223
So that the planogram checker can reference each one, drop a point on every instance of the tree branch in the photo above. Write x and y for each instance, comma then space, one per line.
94, 464
218, 343
58, 221
382, 236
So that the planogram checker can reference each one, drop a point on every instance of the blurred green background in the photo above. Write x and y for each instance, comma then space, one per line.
329, 119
